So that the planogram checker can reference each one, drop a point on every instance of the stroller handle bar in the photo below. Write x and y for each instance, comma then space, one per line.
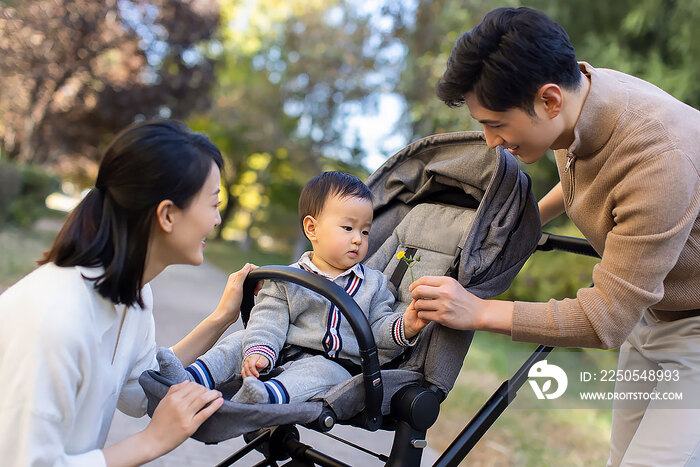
580, 246
369, 359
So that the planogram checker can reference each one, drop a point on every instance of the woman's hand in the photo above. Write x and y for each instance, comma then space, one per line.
178, 415
229, 307
183, 409
444, 300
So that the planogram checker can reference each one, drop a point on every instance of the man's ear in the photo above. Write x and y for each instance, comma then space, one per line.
310, 226
165, 213
551, 97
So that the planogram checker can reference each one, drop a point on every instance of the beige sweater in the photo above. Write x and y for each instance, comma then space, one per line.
633, 189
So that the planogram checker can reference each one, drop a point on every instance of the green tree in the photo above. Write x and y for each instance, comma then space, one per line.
76, 71
287, 74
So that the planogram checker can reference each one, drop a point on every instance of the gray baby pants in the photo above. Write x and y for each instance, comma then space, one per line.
303, 378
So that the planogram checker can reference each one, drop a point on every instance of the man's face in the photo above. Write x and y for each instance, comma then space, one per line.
525, 136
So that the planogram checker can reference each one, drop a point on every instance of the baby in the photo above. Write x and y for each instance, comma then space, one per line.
336, 212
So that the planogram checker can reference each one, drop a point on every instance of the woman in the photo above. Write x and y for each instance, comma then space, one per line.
78, 331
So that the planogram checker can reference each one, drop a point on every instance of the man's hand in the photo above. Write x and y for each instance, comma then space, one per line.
443, 300
253, 365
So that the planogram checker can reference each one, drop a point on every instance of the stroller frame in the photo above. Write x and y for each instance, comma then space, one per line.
414, 408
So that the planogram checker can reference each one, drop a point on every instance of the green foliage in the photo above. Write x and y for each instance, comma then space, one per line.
229, 257
656, 40
10, 186
552, 274
285, 79
19, 249
23, 191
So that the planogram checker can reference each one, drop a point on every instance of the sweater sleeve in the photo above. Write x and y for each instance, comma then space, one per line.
387, 326
267, 328
42, 367
654, 211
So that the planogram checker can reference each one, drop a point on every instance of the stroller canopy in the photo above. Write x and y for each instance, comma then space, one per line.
459, 170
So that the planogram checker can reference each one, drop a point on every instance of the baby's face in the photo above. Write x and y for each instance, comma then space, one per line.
342, 231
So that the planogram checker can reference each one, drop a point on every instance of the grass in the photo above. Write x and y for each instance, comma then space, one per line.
521, 436
19, 250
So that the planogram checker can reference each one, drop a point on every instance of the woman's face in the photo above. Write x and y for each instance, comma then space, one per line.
191, 226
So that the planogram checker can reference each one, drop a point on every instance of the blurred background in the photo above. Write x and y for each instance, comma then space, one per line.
286, 89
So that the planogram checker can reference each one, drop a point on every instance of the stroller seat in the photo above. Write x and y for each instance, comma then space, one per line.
458, 205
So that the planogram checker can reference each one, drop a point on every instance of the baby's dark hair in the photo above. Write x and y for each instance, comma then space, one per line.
326, 185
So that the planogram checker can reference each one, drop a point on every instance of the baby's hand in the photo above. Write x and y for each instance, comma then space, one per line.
253, 364
412, 324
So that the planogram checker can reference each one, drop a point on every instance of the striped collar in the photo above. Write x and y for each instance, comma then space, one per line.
306, 263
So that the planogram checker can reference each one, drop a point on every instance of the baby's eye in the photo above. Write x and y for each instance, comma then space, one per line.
347, 228
365, 232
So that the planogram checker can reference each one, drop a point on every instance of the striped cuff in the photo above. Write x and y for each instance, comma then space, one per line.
201, 374
265, 350
399, 334
277, 392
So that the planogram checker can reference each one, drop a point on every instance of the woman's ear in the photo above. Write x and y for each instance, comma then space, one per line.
165, 215
310, 225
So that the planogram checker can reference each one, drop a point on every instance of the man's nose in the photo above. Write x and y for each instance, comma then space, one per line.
492, 139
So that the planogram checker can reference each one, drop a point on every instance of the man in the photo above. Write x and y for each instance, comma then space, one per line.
628, 160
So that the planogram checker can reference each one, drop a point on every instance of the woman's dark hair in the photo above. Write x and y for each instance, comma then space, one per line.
146, 163
326, 185
506, 58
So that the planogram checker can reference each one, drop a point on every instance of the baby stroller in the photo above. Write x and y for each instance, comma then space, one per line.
468, 212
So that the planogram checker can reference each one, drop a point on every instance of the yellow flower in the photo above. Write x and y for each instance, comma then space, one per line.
400, 254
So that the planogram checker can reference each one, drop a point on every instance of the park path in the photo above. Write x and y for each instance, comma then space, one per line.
183, 296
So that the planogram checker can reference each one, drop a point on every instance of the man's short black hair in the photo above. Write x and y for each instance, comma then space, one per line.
506, 58
326, 185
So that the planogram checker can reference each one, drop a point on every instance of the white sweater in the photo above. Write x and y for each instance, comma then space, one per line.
58, 385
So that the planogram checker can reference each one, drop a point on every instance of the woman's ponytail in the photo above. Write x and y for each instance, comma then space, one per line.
78, 232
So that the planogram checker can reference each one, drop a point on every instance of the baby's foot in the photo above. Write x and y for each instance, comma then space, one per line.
252, 392
171, 366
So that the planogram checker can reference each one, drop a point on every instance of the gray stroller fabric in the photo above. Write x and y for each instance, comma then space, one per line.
469, 213
461, 168
234, 419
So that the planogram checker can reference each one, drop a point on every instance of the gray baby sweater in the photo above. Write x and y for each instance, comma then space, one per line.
292, 314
